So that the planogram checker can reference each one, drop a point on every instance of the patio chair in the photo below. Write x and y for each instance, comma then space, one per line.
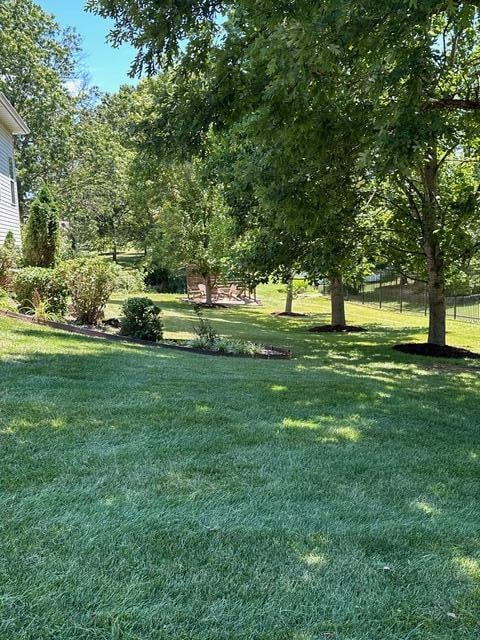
203, 291
235, 292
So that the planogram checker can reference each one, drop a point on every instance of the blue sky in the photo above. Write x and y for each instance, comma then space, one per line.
108, 67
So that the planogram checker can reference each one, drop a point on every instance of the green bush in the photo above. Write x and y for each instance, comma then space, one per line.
204, 329
130, 280
141, 319
164, 280
41, 233
226, 345
6, 303
90, 281
8, 262
48, 284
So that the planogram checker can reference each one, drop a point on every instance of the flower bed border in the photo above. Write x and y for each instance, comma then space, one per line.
281, 353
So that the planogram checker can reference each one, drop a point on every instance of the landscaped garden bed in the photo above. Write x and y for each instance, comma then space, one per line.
225, 348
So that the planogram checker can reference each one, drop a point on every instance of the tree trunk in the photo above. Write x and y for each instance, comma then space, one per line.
208, 289
433, 252
436, 299
289, 300
21, 201
338, 300
114, 252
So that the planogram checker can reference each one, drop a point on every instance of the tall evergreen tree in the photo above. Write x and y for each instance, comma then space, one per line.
42, 231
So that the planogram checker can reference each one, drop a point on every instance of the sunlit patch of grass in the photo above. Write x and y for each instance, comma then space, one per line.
470, 566
426, 507
314, 559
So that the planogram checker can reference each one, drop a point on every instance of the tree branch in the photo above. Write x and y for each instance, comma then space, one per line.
453, 104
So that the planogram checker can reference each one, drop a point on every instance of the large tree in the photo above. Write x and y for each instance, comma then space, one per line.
412, 68
417, 65
193, 227
96, 192
39, 74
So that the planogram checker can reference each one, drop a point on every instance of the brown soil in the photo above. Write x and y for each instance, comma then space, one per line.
337, 328
213, 305
283, 314
436, 351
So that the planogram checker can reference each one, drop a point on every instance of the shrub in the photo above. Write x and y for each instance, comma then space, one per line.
164, 280
47, 284
9, 242
141, 319
40, 308
130, 280
225, 345
41, 236
91, 282
8, 262
6, 303
204, 329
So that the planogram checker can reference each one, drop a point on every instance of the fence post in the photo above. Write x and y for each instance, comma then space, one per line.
455, 303
401, 294
380, 292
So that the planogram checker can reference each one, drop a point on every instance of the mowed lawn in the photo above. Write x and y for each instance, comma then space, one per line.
151, 494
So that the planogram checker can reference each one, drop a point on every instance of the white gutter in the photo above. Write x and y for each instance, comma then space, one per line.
11, 118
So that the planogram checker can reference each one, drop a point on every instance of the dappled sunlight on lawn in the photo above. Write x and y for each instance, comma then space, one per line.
426, 507
470, 567
327, 432
340, 487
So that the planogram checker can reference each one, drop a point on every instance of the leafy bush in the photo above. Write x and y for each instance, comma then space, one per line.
141, 319
40, 308
41, 235
225, 345
48, 284
8, 262
6, 303
204, 329
91, 281
130, 280
164, 280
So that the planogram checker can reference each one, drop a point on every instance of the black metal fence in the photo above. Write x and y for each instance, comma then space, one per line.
408, 295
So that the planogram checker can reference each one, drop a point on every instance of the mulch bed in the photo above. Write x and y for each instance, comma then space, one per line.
213, 305
337, 328
283, 314
268, 353
436, 351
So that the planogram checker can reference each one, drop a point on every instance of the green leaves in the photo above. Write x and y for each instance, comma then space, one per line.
41, 237
37, 67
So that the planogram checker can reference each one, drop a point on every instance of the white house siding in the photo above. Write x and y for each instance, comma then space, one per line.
9, 213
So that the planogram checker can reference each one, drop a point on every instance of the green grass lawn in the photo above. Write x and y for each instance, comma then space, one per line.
152, 494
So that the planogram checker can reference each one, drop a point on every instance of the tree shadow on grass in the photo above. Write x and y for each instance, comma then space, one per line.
337, 492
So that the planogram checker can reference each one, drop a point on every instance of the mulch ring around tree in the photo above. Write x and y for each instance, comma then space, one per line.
337, 328
436, 351
211, 305
284, 314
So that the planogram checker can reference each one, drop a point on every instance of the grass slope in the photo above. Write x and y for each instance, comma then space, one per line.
160, 495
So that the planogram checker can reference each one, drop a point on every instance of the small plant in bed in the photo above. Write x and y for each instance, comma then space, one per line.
208, 339
141, 320
227, 346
